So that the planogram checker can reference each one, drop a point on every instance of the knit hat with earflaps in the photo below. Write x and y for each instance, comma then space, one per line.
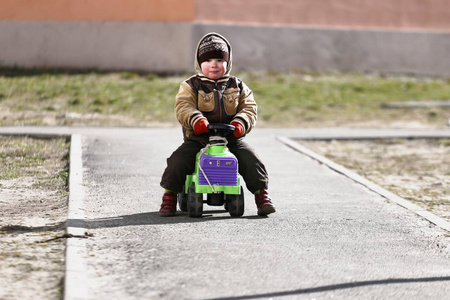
213, 47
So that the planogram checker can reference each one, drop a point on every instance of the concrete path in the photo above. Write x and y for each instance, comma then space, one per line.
330, 238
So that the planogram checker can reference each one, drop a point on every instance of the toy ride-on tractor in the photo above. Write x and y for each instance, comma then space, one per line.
216, 174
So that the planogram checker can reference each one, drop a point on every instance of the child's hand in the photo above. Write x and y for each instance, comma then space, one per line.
201, 126
239, 131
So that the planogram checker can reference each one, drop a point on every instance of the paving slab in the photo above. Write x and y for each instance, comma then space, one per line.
418, 104
330, 237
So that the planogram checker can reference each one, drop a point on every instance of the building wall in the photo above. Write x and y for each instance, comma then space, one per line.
315, 49
389, 36
148, 35
112, 45
98, 10
362, 14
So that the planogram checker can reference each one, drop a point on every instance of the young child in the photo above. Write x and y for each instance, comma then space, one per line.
214, 96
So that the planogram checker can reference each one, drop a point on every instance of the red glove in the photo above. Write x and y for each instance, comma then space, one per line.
201, 126
239, 131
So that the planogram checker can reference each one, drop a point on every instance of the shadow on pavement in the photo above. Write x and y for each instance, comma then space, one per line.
152, 218
333, 287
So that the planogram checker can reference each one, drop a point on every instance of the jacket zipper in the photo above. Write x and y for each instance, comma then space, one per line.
216, 96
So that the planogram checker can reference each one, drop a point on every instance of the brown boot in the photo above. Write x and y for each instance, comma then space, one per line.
264, 204
169, 205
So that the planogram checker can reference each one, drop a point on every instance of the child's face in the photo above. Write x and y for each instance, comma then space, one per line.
214, 68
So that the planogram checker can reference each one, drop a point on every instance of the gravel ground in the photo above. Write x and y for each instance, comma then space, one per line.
416, 170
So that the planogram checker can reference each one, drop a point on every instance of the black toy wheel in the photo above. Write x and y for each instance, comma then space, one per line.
194, 203
235, 204
182, 200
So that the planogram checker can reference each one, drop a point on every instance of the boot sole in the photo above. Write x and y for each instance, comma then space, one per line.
166, 214
266, 211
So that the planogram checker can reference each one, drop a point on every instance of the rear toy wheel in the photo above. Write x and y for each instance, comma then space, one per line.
182, 200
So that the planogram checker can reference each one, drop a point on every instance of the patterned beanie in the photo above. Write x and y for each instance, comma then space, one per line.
213, 47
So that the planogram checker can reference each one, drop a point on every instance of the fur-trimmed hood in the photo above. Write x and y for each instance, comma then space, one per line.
229, 65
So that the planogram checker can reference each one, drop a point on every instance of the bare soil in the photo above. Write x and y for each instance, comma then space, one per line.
33, 212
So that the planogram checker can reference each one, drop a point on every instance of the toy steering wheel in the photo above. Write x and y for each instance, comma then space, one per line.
221, 126
220, 129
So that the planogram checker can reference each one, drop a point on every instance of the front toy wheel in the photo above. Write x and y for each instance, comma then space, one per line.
235, 204
194, 203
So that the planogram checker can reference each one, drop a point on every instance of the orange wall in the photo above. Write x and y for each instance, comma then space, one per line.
97, 10
391, 14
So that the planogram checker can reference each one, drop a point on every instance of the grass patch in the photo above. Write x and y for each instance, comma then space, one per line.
343, 97
24, 157
140, 97
292, 99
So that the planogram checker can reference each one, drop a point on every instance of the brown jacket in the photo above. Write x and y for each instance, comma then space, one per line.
225, 100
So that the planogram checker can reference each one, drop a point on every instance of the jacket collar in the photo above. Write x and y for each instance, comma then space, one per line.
203, 78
